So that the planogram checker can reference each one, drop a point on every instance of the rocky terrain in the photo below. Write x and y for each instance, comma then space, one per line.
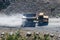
49, 7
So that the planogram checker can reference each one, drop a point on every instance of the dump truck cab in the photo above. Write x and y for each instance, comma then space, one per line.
45, 19
42, 19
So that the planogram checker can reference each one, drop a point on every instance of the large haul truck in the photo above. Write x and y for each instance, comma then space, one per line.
40, 19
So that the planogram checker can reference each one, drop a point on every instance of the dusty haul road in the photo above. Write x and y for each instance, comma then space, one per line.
16, 21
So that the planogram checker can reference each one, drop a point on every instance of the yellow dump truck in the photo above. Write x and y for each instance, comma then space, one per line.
40, 19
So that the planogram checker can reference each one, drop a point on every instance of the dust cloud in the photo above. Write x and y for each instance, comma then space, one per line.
12, 20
